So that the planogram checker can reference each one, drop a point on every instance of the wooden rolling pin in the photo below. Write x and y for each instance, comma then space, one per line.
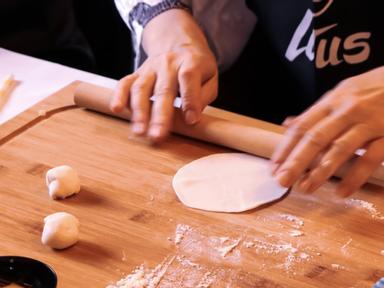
216, 126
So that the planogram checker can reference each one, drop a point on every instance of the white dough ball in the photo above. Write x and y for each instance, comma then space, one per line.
62, 182
61, 230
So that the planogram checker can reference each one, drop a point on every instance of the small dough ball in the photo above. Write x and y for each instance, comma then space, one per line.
61, 230
62, 182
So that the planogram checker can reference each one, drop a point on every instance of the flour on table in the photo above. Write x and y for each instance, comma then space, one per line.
337, 267
367, 206
292, 255
181, 230
298, 223
144, 278
227, 182
42, 113
206, 281
137, 279
345, 248
304, 256
225, 250
296, 233
186, 262
223, 239
248, 244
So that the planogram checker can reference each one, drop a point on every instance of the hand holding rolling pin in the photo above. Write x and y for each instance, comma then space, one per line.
347, 118
178, 62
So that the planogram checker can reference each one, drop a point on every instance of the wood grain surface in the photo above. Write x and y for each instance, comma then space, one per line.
129, 213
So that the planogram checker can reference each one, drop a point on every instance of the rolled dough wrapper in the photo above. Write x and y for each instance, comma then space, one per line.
226, 182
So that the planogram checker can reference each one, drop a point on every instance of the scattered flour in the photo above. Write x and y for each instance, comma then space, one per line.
304, 256
223, 239
272, 248
337, 267
344, 248
346, 244
144, 278
248, 244
42, 113
124, 258
296, 233
294, 219
227, 249
186, 262
137, 279
183, 270
206, 281
364, 205
181, 230
292, 254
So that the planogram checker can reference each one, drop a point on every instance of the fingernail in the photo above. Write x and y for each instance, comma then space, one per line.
156, 133
284, 178
138, 128
191, 117
286, 122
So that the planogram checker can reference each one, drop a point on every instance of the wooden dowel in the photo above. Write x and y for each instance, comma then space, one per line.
216, 126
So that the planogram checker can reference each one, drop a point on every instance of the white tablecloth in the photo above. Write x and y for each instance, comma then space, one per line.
37, 79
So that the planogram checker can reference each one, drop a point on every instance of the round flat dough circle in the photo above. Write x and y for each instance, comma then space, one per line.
227, 182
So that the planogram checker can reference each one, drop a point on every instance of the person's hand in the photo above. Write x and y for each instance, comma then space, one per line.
319, 141
180, 63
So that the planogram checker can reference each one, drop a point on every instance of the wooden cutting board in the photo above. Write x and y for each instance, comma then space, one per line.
130, 216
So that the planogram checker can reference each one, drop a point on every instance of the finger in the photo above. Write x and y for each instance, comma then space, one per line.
362, 169
308, 147
122, 93
190, 92
162, 108
342, 149
289, 121
296, 132
141, 91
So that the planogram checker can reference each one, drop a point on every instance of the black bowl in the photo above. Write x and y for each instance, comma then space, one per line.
26, 272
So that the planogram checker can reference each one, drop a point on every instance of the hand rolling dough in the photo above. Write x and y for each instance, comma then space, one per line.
227, 182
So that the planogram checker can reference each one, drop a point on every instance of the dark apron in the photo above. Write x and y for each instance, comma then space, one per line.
265, 84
